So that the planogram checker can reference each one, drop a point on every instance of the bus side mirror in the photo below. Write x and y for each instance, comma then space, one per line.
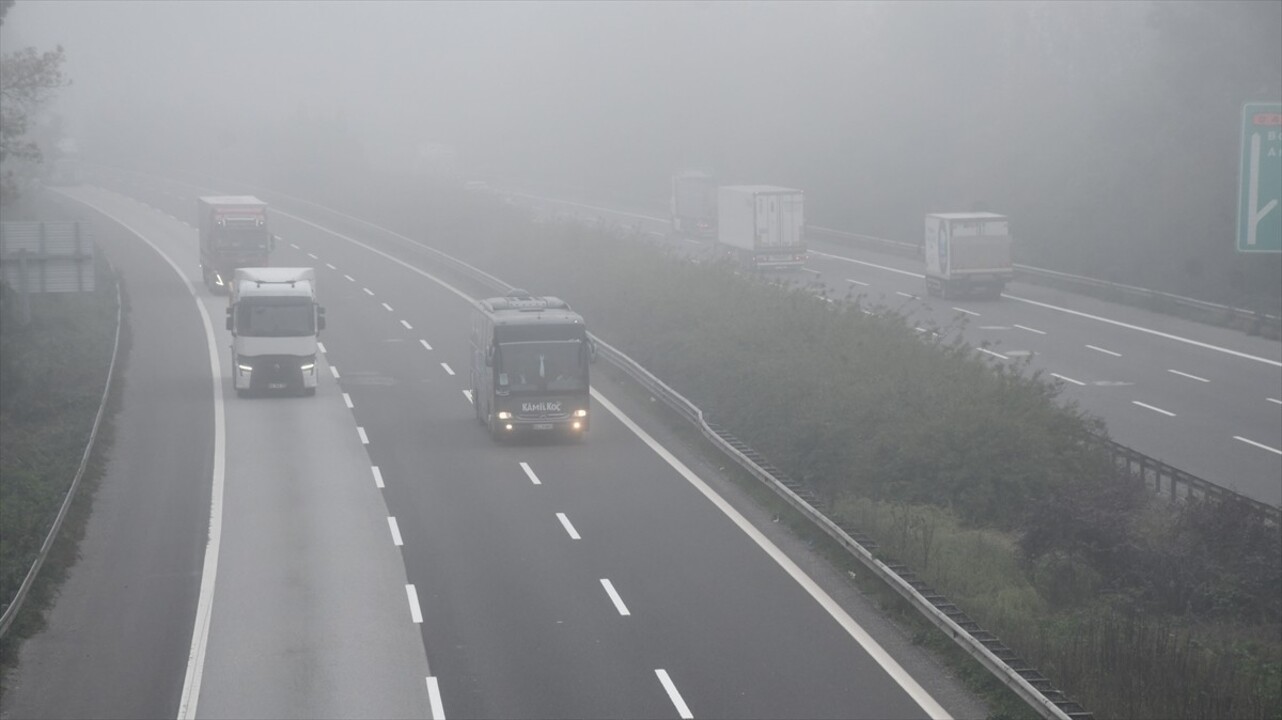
229, 319
320, 318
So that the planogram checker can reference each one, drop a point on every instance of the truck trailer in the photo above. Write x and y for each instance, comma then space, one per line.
694, 204
275, 320
233, 234
967, 253
763, 226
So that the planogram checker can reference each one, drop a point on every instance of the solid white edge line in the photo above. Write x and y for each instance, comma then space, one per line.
874, 649
378, 476
468, 394
447, 368
1275, 451
347, 400
1146, 406
682, 709
530, 473
614, 597
396, 531
1190, 377
388, 307
425, 345
968, 312
1106, 352
1031, 330
406, 325
569, 528
434, 697
919, 276
209, 571
1068, 379
411, 594
1168, 336
364, 438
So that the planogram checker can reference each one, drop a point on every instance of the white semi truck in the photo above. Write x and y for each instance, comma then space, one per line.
967, 253
274, 320
763, 226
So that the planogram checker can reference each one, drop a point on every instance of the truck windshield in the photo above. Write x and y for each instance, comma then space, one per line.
543, 366
275, 317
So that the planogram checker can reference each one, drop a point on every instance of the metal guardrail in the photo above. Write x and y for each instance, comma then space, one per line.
1179, 485
1250, 318
11, 611
1027, 682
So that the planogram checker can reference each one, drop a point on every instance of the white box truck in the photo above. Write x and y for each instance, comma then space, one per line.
694, 204
274, 321
763, 226
967, 253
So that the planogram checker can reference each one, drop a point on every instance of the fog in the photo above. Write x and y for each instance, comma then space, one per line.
1108, 131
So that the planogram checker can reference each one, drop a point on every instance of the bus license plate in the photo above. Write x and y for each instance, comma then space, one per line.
543, 426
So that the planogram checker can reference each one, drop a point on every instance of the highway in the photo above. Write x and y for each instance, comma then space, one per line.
1205, 399
375, 554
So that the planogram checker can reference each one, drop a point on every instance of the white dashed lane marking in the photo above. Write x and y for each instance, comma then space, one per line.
1262, 446
378, 476
1146, 406
350, 278
407, 325
321, 346
994, 354
396, 531
388, 307
364, 438
614, 597
1191, 377
425, 345
468, 394
368, 291
1067, 379
682, 709
347, 400
530, 474
569, 528
1031, 330
1106, 352
447, 368
416, 614
333, 370
968, 312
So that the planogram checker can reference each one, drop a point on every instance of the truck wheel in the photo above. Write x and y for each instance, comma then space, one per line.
476, 406
241, 392
309, 392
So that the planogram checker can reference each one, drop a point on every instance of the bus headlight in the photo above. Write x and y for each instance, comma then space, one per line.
580, 413
577, 425
505, 415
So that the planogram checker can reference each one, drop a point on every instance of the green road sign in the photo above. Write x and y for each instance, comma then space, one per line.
1259, 203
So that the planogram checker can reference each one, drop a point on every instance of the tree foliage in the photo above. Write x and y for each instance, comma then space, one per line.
28, 80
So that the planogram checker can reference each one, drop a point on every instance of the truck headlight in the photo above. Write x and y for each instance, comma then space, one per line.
580, 413
307, 367
245, 369
505, 415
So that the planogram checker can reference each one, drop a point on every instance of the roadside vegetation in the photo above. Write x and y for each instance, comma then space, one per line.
976, 474
52, 376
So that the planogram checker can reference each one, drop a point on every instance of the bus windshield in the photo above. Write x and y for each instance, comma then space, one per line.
542, 366
275, 317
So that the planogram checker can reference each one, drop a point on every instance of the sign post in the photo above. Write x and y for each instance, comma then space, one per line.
1259, 217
